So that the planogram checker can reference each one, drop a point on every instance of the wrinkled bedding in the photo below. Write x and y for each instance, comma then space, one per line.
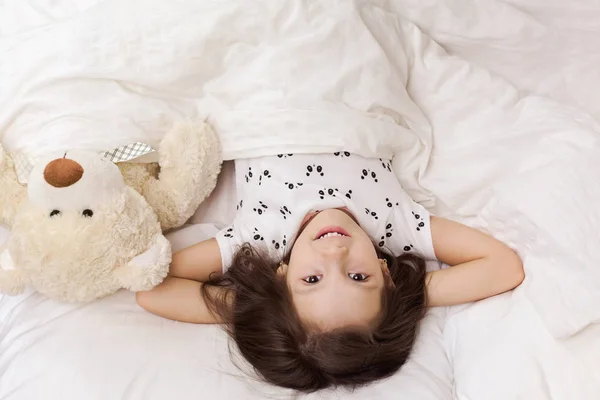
488, 107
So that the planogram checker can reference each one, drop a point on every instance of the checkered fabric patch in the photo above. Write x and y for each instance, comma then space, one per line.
24, 163
128, 152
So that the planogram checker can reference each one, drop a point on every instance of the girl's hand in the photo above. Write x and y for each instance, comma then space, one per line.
481, 265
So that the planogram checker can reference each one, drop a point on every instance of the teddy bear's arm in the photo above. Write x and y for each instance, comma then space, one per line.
12, 193
12, 280
190, 161
148, 269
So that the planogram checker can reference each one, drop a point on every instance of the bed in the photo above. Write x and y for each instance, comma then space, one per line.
490, 109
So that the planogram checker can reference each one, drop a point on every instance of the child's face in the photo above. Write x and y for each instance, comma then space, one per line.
335, 280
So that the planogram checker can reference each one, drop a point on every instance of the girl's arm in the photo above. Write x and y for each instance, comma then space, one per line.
481, 265
178, 299
197, 262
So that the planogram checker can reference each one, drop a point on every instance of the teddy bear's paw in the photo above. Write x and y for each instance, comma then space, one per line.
12, 282
148, 269
187, 143
136, 278
190, 161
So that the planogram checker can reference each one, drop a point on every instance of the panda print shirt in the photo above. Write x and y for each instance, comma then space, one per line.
275, 193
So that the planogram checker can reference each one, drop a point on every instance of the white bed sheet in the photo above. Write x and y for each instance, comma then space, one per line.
481, 151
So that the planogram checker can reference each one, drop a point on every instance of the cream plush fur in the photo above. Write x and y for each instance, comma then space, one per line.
190, 161
97, 235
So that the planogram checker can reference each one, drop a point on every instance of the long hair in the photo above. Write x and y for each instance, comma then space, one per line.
259, 315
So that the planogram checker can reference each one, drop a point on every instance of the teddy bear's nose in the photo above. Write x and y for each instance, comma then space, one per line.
63, 172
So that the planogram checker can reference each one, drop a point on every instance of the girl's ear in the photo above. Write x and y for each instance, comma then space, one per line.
386, 272
282, 269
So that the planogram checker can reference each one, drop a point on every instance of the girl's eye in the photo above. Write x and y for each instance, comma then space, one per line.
358, 277
312, 279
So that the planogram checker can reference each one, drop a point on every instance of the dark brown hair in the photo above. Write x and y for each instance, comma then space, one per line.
261, 319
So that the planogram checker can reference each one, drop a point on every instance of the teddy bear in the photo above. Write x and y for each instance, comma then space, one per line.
84, 227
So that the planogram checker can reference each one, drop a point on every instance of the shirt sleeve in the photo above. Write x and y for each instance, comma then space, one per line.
411, 224
228, 242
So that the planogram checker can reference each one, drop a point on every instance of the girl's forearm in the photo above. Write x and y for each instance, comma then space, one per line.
474, 280
177, 299
482, 266
197, 262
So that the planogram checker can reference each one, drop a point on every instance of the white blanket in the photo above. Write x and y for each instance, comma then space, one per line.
316, 76
541, 46
271, 76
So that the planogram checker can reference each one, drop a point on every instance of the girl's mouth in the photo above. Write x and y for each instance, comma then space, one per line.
331, 231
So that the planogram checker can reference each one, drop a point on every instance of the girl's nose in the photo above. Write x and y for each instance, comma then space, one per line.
335, 252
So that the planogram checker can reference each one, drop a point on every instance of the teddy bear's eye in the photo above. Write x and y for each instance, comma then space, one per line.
54, 213
87, 213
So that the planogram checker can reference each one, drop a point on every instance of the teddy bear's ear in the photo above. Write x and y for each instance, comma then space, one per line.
128, 152
23, 166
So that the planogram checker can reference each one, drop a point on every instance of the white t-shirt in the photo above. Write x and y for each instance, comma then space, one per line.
276, 193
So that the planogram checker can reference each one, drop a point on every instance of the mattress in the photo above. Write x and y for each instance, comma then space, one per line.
488, 107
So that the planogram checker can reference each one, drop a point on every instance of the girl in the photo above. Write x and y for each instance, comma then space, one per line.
320, 279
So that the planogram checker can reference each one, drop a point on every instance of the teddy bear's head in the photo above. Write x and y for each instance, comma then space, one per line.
67, 182
79, 223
